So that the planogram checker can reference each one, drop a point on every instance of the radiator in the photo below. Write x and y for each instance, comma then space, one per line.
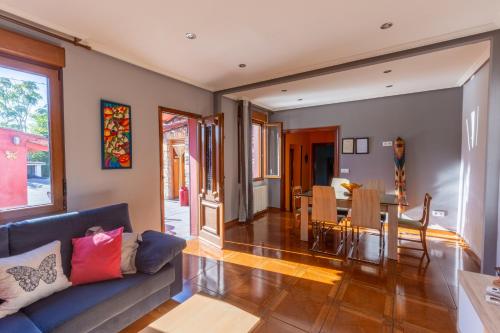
259, 198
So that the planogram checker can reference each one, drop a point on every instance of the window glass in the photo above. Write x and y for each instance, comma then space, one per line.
256, 150
25, 161
209, 157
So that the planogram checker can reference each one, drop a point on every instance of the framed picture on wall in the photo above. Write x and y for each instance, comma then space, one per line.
348, 146
116, 136
362, 146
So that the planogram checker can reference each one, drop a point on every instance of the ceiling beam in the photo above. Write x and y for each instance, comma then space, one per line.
362, 62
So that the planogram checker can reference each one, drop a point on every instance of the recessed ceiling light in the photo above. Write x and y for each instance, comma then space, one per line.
299, 99
190, 35
284, 90
386, 25
389, 86
387, 71
242, 65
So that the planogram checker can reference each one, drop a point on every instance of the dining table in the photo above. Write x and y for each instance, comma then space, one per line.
389, 203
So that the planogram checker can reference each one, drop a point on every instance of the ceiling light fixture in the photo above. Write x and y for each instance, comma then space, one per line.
299, 99
386, 25
389, 86
190, 35
242, 65
387, 71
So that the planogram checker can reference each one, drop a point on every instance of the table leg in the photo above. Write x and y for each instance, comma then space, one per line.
304, 218
392, 235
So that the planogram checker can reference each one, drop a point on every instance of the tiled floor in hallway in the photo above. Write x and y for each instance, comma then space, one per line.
267, 271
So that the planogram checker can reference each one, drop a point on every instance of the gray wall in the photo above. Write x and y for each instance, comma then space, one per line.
430, 122
230, 110
472, 170
491, 253
90, 76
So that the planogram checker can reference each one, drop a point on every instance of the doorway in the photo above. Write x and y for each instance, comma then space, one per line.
323, 155
311, 158
178, 171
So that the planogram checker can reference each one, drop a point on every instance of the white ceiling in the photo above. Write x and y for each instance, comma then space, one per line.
274, 38
438, 70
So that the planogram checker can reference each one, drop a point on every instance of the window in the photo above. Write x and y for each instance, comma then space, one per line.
272, 152
257, 150
31, 143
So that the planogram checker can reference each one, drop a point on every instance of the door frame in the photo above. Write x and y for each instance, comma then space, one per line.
161, 111
336, 163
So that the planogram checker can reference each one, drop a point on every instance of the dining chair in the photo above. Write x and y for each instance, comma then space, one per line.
375, 184
365, 213
379, 185
325, 219
418, 225
296, 190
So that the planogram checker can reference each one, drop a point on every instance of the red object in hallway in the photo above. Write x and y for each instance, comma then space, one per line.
184, 196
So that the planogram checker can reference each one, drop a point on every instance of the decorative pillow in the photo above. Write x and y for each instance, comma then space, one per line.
156, 250
130, 243
30, 276
97, 257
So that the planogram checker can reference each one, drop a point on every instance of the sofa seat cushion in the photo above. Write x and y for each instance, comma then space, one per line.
82, 308
18, 322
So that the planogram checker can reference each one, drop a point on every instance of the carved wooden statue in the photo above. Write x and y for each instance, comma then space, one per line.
400, 174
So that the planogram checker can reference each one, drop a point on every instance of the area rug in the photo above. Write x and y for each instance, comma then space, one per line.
204, 314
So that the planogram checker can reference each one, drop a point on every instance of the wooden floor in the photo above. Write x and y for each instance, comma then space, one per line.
267, 271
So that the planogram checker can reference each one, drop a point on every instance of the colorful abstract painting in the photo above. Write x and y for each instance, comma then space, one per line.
116, 132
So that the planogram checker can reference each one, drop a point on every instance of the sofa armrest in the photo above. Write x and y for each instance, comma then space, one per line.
156, 250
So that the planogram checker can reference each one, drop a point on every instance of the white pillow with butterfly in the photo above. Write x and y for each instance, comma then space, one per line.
30, 276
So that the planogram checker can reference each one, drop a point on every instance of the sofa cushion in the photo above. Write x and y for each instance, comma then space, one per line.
28, 277
28, 235
4, 240
157, 249
18, 322
97, 257
85, 307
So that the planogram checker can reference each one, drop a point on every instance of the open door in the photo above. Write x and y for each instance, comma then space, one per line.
211, 199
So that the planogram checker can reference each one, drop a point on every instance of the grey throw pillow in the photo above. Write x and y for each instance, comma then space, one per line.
130, 243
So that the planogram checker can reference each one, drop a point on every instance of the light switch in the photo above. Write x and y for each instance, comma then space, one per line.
387, 144
346, 171
439, 213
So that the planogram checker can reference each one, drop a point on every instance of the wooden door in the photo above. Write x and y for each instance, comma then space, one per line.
211, 199
175, 177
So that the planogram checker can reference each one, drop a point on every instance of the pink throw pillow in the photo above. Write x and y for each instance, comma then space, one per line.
97, 257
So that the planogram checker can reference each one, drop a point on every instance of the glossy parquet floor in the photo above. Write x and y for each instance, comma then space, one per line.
267, 271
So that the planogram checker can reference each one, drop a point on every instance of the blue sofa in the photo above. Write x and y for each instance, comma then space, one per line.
107, 306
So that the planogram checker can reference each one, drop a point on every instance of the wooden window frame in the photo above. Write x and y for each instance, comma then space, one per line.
56, 139
261, 149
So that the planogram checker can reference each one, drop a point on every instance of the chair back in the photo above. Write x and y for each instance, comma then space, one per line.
296, 190
365, 208
375, 184
426, 210
324, 204
336, 184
